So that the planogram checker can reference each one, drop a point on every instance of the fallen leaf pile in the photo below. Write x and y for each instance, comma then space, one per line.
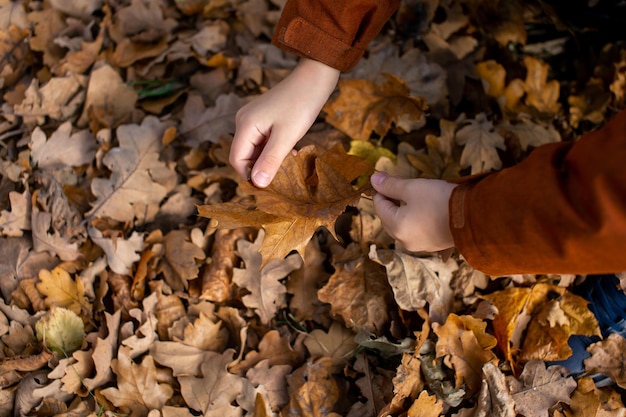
141, 276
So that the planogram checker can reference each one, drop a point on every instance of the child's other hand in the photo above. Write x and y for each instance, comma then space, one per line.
268, 127
414, 211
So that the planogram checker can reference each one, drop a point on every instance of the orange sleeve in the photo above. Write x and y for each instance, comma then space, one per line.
561, 210
334, 32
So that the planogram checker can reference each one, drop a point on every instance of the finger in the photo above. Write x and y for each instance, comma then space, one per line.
271, 157
387, 210
391, 187
245, 148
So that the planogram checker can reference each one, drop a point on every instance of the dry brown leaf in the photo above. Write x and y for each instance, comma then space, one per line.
104, 352
425, 406
138, 390
590, 105
547, 314
309, 191
200, 124
416, 281
267, 293
108, 93
59, 99
466, 348
591, 401
136, 175
274, 347
13, 52
358, 291
179, 264
216, 392
273, 378
306, 281
481, 143
338, 344
364, 107
14, 222
313, 390
540, 388
121, 253
608, 357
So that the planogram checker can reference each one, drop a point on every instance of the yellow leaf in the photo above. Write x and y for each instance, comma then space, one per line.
61, 290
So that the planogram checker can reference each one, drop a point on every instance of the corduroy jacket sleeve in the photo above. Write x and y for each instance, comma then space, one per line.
561, 210
334, 32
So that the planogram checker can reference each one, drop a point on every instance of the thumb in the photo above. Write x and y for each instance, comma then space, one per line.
270, 159
390, 187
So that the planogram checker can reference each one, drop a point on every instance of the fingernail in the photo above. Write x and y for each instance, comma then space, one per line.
377, 178
261, 179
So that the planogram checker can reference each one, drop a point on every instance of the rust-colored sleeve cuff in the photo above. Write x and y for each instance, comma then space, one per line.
333, 32
561, 210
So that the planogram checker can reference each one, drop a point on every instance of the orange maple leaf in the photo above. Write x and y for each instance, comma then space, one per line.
310, 190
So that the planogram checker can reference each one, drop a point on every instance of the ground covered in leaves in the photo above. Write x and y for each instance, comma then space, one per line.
119, 299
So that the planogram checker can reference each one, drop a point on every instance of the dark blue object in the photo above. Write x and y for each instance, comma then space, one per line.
608, 303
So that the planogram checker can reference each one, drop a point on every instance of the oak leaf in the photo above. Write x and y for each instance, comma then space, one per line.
466, 347
313, 390
425, 406
358, 291
547, 314
179, 265
138, 390
273, 378
310, 190
338, 344
416, 281
136, 172
217, 390
61, 290
540, 388
608, 357
104, 351
481, 142
14, 222
79, 147
267, 293
363, 107
121, 253
591, 401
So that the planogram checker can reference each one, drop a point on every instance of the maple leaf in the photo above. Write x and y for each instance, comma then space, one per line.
540, 388
267, 293
138, 390
547, 322
136, 172
363, 107
310, 190
481, 142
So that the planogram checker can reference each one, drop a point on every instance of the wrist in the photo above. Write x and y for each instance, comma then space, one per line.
316, 73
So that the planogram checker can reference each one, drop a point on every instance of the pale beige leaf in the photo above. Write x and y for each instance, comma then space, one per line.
136, 172
481, 143
79, 148
121, 253
608, 357
267, 293
104, 352
338, 344
201, 124
540, 388
416, 281
273, 379
137, 390
55, 244
184, 360
14, 222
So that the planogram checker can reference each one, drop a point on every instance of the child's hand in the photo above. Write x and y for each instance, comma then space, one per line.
414, 211
269, 126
